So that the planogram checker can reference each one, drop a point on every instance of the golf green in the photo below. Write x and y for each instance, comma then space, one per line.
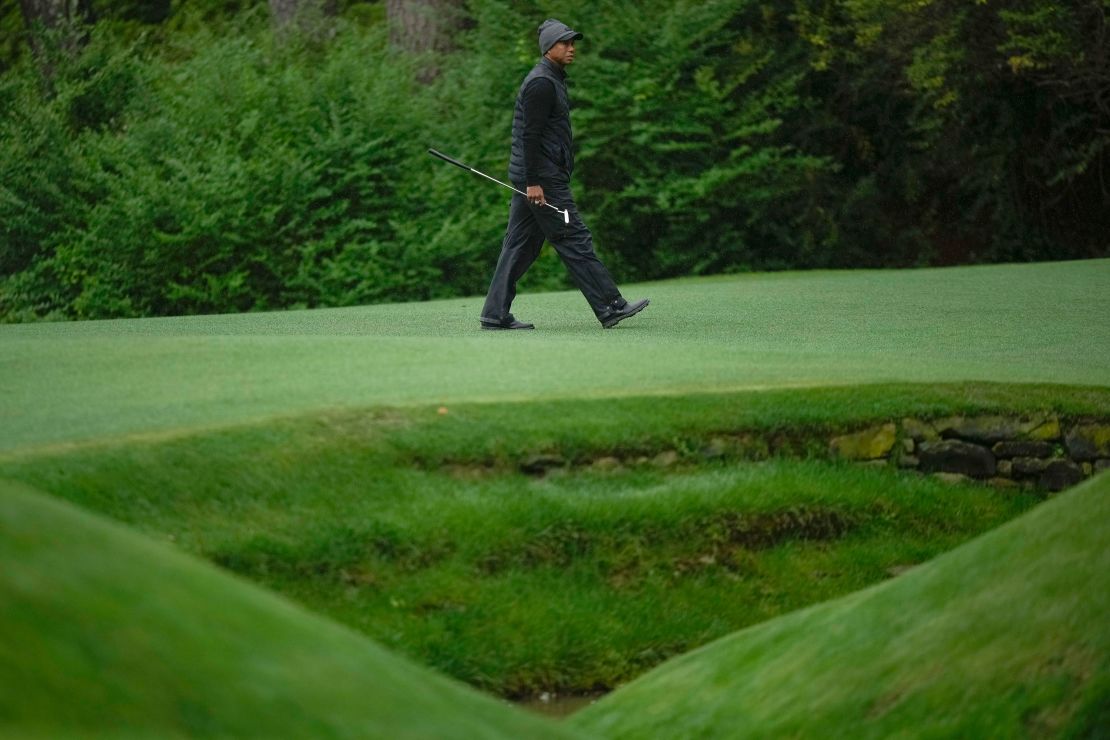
71, 382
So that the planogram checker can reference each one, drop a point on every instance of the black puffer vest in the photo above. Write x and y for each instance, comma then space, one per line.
558, 156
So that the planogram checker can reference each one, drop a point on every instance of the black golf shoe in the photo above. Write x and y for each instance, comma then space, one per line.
621, 310
509, 322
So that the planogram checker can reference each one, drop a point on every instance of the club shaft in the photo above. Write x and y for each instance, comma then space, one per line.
457, 163
505, 184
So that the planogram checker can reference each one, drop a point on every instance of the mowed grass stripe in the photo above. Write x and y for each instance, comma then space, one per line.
1005, 636
1013, 323
505, 432
107, 633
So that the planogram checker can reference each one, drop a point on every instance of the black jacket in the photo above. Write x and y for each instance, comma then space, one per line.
556, 142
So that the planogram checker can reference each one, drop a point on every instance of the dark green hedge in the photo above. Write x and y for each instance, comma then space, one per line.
184, 167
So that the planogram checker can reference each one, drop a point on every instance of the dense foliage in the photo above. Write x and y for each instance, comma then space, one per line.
199, 161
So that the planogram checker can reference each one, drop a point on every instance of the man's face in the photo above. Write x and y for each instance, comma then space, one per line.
562, 52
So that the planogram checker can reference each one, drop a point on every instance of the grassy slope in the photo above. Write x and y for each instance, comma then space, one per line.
393, 522
152, 385
1018, 323
1003, 637
106, 631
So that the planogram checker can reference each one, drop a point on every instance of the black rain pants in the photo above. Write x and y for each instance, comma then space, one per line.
529, 225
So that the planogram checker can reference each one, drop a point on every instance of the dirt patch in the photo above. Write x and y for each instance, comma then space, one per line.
721, 540
558, 545
1068, 672
895, 695
344, 554
731, 538
767, 529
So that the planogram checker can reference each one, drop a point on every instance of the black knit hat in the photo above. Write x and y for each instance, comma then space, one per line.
552, 32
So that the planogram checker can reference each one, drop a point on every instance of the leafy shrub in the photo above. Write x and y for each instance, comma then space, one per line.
202, 165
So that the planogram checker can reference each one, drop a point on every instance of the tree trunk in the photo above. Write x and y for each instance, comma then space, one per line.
54, 26
426, 26
311, 17
53, 13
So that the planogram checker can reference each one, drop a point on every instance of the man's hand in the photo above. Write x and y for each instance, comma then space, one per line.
535, 195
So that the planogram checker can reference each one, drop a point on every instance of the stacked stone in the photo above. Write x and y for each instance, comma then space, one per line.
1006, 451
1042, 452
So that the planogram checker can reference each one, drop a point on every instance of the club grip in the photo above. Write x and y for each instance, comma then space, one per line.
445, 158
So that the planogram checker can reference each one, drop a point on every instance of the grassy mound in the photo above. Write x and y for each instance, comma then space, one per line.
246, 440
420, 530
107, 632
1006, 636
1041, 323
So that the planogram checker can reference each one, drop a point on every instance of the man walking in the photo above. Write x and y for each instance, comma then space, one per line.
540, 163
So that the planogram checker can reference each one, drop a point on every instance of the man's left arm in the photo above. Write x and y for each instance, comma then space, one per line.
539, 99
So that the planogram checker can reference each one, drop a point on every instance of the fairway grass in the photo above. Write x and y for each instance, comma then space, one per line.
107, 633
1006, 636
419, 529
1043, 323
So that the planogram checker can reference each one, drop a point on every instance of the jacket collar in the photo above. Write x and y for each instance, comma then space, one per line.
558, 69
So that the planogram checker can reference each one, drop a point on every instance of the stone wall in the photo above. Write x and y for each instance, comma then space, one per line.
1048, 452
1037, 452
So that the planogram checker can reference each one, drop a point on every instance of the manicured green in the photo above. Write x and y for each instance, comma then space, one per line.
1024, 323
1006, 636
107, 633
418, 529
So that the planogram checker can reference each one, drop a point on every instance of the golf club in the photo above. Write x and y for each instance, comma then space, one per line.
457, 163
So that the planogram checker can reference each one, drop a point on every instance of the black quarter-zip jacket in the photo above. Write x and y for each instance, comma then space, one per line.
542, 146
